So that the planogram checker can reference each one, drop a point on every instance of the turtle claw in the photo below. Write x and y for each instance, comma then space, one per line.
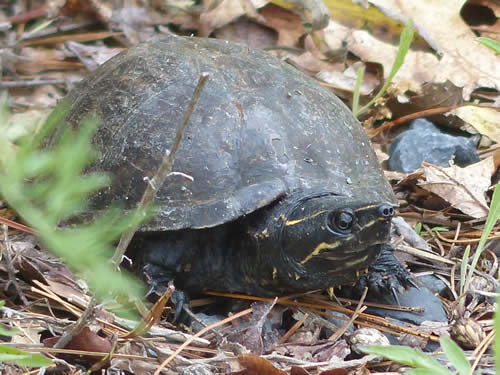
153, 289
395, 295
180, 300
158, 279
385, 277
413, 284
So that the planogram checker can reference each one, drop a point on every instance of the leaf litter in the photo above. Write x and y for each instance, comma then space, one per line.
447, 54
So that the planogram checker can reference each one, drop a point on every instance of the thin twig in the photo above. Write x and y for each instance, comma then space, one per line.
29, 15
51, 30
198, 334
334, 361
77, 327
359, 309
18, 226
163, 171
31, 83
481, 349
363, 319
438, 244
293, 329
10, 267
153, 315
401, 120
89, 65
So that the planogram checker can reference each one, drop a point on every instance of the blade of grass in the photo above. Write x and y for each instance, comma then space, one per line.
408, 356
22, 358
490, 43
357, 90
496, 343
404, 45
492, 219
455, 355
463, 268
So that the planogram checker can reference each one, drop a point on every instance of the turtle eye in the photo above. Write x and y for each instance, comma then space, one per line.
341, 220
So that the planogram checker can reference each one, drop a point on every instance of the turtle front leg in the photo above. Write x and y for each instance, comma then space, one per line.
158, 280
386, 275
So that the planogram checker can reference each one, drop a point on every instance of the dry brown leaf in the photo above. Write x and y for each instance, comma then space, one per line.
153, 316
249, 32
336, 371
256, 365
287, 24
252, 338
34, 60
360, 15
84, 37
69, 292
135, 22
314, 12
85, 341
463, 61
463, 188
370, 49
43, 98
223, 14
431, 95
295, 370
92, 56
72, 8
309, 62
485, 120
23, 123
346, 80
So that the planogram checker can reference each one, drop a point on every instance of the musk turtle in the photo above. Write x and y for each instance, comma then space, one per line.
284, 193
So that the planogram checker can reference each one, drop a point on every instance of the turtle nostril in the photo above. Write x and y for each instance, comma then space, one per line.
386, 211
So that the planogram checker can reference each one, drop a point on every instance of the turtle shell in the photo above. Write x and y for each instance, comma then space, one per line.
260, 131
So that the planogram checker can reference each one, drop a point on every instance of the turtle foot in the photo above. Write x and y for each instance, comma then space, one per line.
181, 303
158, 280
386, 276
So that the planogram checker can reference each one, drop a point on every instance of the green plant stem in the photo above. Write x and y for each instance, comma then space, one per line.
493, 217
163, 171
404, 45
357, 90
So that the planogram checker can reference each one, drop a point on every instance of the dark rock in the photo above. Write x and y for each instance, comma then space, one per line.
203, 320
337, 322
413, 297
434, 284
425, 142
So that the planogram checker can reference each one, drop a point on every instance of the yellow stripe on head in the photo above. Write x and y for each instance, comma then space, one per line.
297, 221
322, 246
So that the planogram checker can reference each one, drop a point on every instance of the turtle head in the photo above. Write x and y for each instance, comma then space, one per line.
327, 240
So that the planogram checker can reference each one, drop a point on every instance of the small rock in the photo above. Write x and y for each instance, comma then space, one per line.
425, 142
413, 297
434, 284
363, 337
338, 322
204, 320
200, 369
